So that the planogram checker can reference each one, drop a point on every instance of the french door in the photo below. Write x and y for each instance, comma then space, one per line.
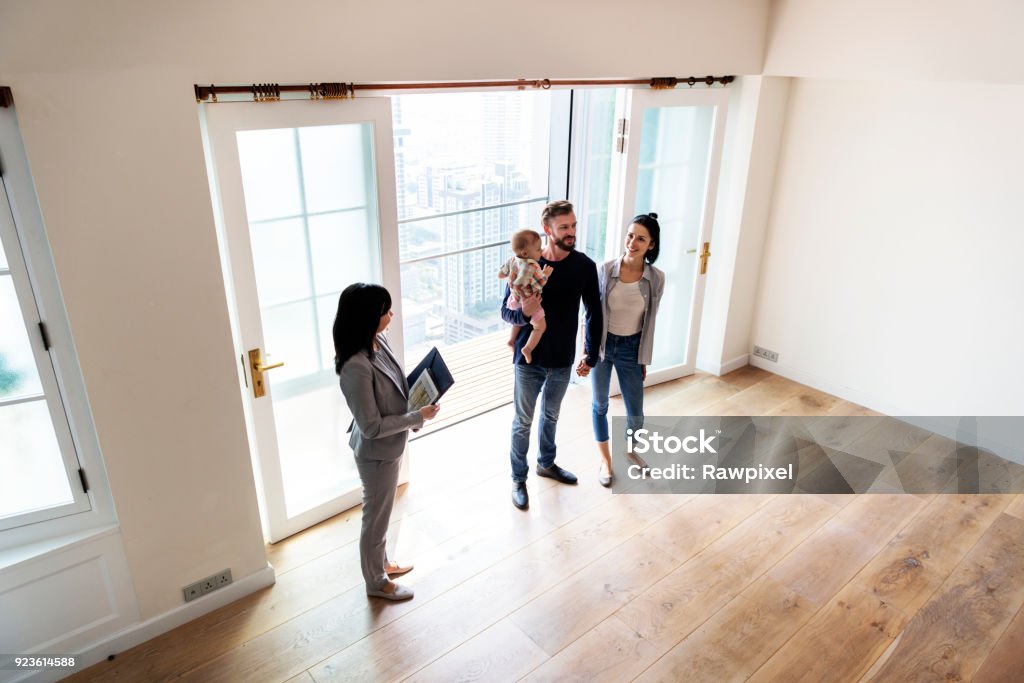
673, 150
307, 203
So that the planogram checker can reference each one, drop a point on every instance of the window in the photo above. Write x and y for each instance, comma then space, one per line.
41, 492
472, 168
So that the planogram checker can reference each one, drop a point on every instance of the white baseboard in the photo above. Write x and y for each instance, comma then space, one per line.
719, 369
151, 628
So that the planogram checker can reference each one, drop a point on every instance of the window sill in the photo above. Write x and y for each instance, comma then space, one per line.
18, 555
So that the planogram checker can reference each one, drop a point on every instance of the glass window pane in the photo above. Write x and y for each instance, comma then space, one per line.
452, 299
597, 144
345, 250
326, 309
280, 260
3, 258
316, 462
18, 373
454, 149
270, 177
337, 165
671, 181
290, 335
33, 471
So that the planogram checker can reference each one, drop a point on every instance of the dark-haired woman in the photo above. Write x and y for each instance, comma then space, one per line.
377, 393
631, 289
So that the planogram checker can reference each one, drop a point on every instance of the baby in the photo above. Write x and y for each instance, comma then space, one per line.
525, 276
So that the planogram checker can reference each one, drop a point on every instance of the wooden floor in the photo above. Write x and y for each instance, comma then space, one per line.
588, 585
484, 380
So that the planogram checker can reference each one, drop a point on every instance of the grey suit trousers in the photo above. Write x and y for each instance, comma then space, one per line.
380, 479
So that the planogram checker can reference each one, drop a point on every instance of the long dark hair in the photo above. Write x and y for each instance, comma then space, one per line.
650, 221
360, 307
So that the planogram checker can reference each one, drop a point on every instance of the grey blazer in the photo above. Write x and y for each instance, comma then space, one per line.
652, 286
378, 396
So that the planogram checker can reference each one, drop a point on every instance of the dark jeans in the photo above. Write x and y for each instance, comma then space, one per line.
531, 381
620, 353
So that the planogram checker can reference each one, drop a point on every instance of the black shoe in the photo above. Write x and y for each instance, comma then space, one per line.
520, 498
557, 473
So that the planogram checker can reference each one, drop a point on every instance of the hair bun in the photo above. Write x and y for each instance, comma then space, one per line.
653, 215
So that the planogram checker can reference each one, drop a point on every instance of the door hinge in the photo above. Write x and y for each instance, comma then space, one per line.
621, 131
45, 335
85, 482
620, 144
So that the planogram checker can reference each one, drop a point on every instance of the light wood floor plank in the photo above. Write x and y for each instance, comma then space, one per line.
693, 526
839, 643
907, 571
611, 652
1016, 506
672, 608
733, 643
954, 632
1006, 660
581, 601
500, 653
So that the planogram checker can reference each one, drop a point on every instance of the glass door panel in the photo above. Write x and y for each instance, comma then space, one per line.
672, 161
302, 216
672, 182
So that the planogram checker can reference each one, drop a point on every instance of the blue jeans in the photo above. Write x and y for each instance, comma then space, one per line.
620, 353
530, 382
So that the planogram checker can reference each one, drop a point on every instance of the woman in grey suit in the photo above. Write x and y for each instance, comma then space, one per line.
377, 393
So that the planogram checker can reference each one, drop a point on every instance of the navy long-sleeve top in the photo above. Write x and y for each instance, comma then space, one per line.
574, 279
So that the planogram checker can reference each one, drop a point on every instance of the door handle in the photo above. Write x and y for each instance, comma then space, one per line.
704, 256
256, 370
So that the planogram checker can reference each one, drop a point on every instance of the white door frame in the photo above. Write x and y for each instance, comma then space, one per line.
220, 123
637, 100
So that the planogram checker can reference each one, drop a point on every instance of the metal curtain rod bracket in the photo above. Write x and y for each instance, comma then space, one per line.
264, 92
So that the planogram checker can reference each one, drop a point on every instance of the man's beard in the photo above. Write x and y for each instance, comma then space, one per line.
563, 246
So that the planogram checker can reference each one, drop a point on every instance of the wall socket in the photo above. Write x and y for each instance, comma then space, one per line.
207, 585
766, 354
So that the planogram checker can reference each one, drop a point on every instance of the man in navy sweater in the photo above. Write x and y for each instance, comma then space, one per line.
574, 279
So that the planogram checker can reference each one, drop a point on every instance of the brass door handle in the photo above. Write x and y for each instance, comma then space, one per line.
704, 255
256, 370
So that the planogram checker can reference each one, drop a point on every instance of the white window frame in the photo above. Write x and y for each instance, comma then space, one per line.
38, 289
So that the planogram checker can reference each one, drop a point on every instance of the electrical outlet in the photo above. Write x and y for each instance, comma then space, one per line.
192, 591
223, 578
766, 354
207, 585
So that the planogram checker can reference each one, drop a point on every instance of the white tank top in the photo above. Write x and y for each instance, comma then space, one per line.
625, 308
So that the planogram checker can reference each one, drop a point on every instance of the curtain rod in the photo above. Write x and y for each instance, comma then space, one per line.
330, 91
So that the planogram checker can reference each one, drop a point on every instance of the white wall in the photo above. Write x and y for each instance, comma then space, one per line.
891, 272
898, 40
104, 98
757, 115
